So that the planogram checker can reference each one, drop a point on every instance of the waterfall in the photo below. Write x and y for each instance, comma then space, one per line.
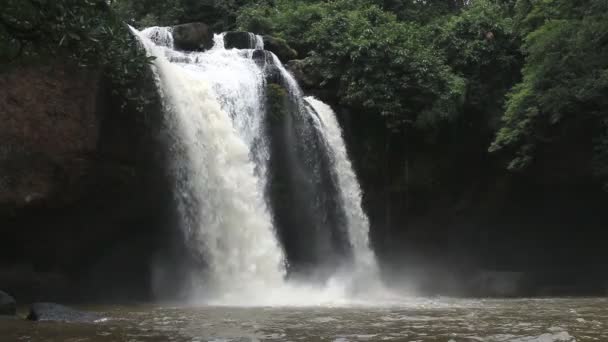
218, 191
350, 191
259, 197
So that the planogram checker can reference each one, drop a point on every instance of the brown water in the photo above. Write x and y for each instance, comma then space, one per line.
525, 320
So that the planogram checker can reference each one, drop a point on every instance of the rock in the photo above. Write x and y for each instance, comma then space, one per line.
265, 60
79, 178
49, 127
306, 76
262, 58
280, 48
8, 305
56, 312
240, 40
192, 37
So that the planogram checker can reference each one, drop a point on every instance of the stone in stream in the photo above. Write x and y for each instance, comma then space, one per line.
61, 313
8, 305
280, 48
265, 61
192, 37
239, 40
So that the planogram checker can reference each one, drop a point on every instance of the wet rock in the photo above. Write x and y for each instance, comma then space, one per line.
78, 170
49, 127
239, 40
8, 305
192, 37
56, 312
265, 60
280, 48
306, 75
262, 58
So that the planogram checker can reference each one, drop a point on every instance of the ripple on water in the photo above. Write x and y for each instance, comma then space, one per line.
326, 319
490, 321
562, 336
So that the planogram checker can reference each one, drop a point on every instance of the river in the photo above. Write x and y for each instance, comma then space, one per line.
440, 319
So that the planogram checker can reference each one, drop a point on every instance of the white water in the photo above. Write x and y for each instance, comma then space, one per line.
220, 197
214, 105
350, 191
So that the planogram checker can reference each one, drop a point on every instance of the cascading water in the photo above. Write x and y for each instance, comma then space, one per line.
245, 180
219, 195
350, 191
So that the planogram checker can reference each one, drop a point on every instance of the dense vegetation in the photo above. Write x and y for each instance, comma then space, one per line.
565, 78
526, 74
87, 33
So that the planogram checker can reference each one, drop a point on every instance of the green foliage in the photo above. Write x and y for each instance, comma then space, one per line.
376, 62
565, 78
481, 38
219, 14
85, 32
422, 11
540, 65
482, 47
276, 97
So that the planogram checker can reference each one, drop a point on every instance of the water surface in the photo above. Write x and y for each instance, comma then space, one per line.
524, 320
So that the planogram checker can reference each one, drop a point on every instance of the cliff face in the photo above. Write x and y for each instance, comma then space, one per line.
50, 129
445, 212
446, 215
85, 203
83, 200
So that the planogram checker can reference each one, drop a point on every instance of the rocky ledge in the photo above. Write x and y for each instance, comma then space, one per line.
199, 37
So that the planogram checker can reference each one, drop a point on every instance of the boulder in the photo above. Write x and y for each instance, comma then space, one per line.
8, 305
262, 58
306, 75
56, 312
280, 48
192, 37
240, 40
265, 60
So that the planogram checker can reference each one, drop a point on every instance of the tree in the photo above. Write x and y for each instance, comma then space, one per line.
85, 32
368, 56
481, 45
565, 79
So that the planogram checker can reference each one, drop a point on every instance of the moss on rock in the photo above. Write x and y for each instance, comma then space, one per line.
276, 97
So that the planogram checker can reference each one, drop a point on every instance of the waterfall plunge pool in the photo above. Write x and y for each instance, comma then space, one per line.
444, 319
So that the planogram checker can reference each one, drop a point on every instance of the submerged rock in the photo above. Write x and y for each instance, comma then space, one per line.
56, 312
239, 40
192, 37
8, 305
280, 48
